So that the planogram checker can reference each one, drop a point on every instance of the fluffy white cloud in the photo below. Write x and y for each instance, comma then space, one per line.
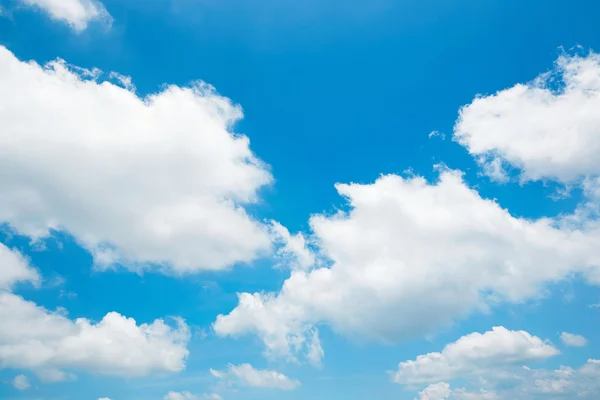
475, 354
21, 382
424, 253
48, 342
573, 340
160, 179
15, 268
247, 375
436, 391
506, 382
104, 398
77, 13
549, 129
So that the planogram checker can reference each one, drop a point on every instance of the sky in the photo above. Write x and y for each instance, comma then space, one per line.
317, 200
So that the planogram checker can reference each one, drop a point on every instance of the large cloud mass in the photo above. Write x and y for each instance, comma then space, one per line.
408, 257
159, 179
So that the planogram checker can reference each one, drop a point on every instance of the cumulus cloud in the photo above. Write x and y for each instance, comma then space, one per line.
437, 391
159, 180
573, 340
48, 342
15, 268
21, 382
547, 129
76, 13
247, 375
427, 253
491, 365
475, 354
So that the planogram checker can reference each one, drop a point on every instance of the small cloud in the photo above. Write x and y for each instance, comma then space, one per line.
493, 168
439, 134
5, 13
21, 382
573, 340
123, 80
75, 13
247, 375
189, 396
199, 332
67, 294
293, 249
180, 396
54, 282
561, 193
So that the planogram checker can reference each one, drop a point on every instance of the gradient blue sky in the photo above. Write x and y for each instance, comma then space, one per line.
332, 92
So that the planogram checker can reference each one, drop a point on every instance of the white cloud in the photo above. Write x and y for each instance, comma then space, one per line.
247, 375
48, 342
437, 391
425, 253
21, 382
189, 396
564, 383
547, 129
573, 340
475, 354
180, 396
104, 398
463, 394
159, 179
439, 134
293, 249
76, 13
441, 391
15, 268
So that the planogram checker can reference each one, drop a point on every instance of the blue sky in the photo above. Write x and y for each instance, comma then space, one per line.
299, 200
